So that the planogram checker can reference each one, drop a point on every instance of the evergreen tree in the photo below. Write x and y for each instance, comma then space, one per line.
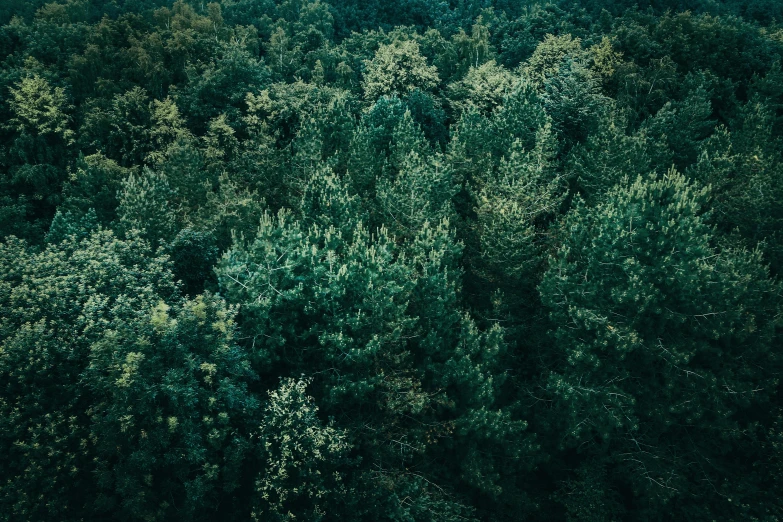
648, 310
144, 207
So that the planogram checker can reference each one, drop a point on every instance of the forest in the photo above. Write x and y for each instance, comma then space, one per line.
406, 261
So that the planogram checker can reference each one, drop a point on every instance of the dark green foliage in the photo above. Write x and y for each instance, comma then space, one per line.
193, 256
172, 417
653, 307
412, 261
55, 305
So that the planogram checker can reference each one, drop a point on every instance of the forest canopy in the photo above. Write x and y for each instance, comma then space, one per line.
410, 261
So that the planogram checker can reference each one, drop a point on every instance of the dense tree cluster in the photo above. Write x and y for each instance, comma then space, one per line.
427, 261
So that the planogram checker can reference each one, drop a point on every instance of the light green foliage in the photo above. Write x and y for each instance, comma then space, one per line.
168, 127
398, 68
298, 480
605, 60
511, 206
40, 110
549, 57
483, 87
37, 137
220, 143
474, 49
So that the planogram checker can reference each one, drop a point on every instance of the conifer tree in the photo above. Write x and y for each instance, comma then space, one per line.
648, 310
381, 333
144, 206
512, 207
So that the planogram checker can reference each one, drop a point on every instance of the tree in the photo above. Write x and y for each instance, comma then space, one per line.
144, 207
95, 184
39, 139
123, 132
171, 414
512, 207
574, 101
743, 169
220, 86
647, 308
40, 114
611, 155
483, 87
299, 479
398, 68
55, 304
549, 57
393, 360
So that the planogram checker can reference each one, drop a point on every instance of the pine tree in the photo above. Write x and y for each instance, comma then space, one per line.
647, 308
144, 207
379, 329
744, 170
512, 207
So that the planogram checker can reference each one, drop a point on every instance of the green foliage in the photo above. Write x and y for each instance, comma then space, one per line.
144, 207
193, 256
550, 56
647, 307
67, 225
512, 206
398, 68
95, 184
409, 261
55, 304
574, 101
297, 482
171, 411
352, 308
483, 87
39, 113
